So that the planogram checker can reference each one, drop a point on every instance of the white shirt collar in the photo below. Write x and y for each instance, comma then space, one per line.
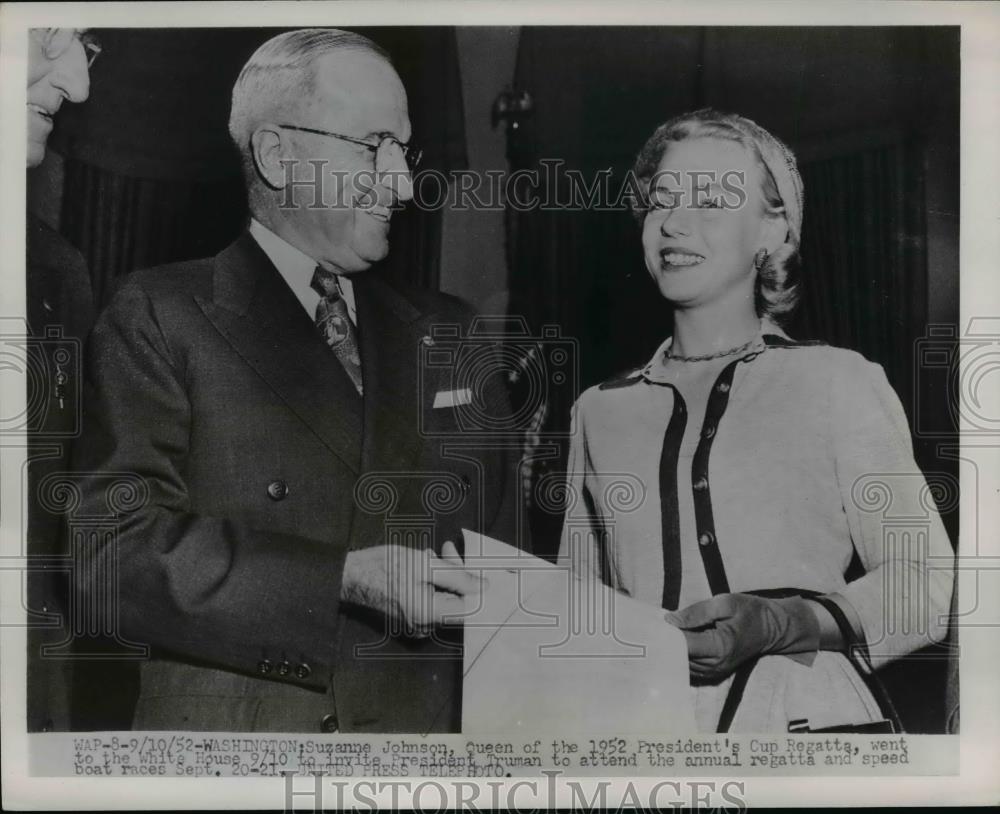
296, 268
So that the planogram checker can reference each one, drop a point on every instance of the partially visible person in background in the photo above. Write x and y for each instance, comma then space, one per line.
59, 307
59, 61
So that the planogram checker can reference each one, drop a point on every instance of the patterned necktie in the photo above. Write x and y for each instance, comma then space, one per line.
335, 324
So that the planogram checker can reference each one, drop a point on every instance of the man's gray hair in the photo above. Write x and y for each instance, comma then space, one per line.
279, 75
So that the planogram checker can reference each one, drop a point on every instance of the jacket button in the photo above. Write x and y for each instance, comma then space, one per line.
706, 538
263, 667
700, 484
723, 387
708, 431
328, 723
277, 490
284, 668
303, 671
466, 484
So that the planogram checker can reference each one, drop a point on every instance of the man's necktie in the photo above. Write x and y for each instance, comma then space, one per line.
335, 324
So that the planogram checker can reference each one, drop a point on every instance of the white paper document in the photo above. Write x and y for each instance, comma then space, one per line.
548, 653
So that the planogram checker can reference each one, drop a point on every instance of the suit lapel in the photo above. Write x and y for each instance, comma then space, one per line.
257, 313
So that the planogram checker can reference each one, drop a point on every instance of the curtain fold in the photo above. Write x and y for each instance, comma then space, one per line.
427, 62
864, 260
121, 223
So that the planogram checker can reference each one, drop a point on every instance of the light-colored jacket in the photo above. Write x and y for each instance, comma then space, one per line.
809, 460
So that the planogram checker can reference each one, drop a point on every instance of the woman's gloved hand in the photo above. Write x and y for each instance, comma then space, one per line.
726, 630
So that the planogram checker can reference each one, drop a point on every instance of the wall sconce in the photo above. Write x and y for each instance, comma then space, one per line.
513, 107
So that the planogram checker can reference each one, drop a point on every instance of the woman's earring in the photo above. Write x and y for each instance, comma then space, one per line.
760, 259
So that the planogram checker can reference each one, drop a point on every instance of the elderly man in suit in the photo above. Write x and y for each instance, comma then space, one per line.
267, 417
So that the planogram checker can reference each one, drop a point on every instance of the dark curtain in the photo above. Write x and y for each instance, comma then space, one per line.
596, 95
123, 223
864, 257
427, 62
150, 175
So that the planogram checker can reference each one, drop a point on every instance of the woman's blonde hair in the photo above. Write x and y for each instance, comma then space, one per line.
777, 284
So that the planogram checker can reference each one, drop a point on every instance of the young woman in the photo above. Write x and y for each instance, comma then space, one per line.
763, 458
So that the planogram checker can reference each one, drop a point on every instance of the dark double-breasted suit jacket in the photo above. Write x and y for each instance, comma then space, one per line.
236, 465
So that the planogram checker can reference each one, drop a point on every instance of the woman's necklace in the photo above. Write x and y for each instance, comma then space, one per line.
719, 355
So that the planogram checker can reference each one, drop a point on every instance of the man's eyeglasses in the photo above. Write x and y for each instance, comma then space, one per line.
386, 151
57, 41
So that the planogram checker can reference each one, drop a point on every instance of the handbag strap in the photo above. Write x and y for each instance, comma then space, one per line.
858, 655
735, 695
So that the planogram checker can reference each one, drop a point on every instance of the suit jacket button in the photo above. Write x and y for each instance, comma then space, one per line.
706, 538
284, 668
328, 723
700, 484
277, 490
303, 671
263, 667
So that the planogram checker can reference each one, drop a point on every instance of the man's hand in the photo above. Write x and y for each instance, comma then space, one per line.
412, 586
726, 630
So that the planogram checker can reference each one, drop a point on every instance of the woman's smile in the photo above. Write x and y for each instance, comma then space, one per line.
676, 258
